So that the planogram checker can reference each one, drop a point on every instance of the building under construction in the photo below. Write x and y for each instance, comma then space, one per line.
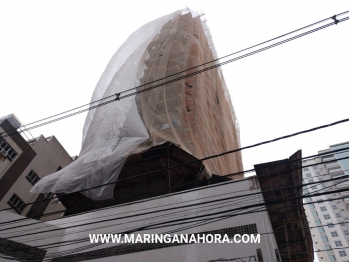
155, 125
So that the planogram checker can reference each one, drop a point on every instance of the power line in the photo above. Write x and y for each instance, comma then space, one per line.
234, 259
329, 18
234, 181
182, 222
324, 181
326, 193
321, 182
205, 158
345, 248
227, 217
175, 212
118, 97
228, 152
198, 204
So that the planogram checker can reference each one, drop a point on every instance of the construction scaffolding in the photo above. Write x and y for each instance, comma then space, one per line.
195, 114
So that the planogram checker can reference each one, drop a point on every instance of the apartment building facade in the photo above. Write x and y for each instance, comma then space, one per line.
329, 216
22, 164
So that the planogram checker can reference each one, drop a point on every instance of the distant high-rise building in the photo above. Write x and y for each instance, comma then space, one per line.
173, 116
331, 218
22, 164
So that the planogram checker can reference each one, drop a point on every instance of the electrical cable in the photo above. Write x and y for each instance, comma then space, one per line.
180, 229
191, 74
311, 203
232, 259
321, 189
246, 179
208, 157
345, 248
198, 160
198, 204
243, 179
191, 211
226, 216
345, 19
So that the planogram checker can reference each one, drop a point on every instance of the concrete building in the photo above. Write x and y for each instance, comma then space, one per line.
183, 117
329, 217
232, 207
22, 164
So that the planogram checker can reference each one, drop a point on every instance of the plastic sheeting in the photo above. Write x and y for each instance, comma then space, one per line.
194, 113
110, 132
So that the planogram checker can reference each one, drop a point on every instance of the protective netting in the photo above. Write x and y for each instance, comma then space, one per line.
194, 113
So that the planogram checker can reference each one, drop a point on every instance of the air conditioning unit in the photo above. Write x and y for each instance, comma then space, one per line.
3, 152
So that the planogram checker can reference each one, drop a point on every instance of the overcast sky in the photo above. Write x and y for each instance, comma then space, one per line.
53, 53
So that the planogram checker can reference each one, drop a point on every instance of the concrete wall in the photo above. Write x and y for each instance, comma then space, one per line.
49, 156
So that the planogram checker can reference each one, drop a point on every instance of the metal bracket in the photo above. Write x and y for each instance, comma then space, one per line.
336, 21
117, 96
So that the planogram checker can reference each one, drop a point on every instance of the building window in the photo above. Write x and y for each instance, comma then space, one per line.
7, 150
317, 221
342, 223
315, 167
314, 213
346, 232
330, 225
32, 177
342, 253
331, 258
17, 203
320, 229
320, 179
305, 169
323, 208
327, 217
323, 185
338, 215
334, 234
324, 239
327, 247
311, 180
338, 243
311, 206
308, 175
308, 199
313, 187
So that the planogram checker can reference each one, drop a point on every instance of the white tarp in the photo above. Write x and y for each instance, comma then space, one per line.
112, 131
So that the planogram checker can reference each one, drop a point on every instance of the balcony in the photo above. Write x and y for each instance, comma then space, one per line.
338, 175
